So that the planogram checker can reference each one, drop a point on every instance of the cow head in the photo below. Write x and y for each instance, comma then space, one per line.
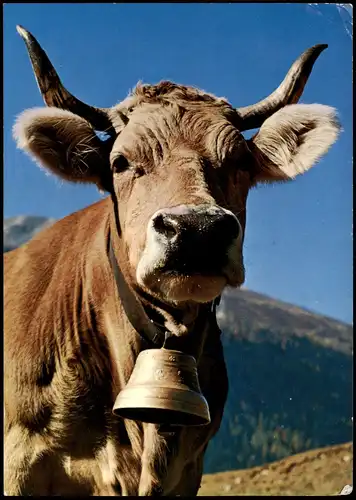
178, 166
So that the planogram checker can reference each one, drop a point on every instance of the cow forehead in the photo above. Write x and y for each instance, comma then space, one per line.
167, 128
171, 124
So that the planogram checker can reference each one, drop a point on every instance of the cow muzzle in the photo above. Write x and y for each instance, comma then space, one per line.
163, 389
192, 252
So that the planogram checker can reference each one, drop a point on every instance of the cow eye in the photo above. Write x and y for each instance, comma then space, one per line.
120, 164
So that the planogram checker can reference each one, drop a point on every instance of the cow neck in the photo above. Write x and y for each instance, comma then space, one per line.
153, 334
166, 322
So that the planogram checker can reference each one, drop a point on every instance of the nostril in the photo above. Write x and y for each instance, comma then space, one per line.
232, 226
227, 224
165, 225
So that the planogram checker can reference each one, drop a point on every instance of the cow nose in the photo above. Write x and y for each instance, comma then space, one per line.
166, 225
196, 222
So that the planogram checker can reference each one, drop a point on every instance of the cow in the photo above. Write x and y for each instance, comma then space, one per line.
84, 297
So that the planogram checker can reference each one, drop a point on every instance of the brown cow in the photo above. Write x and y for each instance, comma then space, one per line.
84, 297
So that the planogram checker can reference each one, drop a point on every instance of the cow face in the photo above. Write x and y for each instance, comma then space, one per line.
180, 171
174, 166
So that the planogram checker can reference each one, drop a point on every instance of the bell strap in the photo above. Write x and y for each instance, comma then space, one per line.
155, 338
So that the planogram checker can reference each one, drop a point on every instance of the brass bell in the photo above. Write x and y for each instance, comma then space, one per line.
163, 389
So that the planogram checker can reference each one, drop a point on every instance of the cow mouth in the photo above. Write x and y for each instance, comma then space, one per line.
177, 286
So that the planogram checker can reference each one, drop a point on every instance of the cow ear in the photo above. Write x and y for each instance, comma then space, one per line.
64, 144
292, 140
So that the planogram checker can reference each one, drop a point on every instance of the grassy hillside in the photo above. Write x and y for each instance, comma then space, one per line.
317, 473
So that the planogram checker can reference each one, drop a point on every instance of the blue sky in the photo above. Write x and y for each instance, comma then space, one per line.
299, 235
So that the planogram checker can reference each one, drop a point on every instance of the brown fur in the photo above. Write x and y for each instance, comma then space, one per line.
69, 352
71, 340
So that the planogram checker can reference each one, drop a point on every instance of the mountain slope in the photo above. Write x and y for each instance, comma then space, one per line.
290, 374
283, 399
18, 230
321, 472
247, 314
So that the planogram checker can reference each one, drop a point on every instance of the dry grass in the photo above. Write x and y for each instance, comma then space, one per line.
323, 471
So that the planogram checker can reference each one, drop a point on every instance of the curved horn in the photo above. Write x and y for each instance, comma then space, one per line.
53, 91
288, 92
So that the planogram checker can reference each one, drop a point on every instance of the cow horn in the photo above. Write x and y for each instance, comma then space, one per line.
53, 91
288, 92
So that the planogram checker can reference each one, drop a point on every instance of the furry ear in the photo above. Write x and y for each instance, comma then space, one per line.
292, 140
65, 144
